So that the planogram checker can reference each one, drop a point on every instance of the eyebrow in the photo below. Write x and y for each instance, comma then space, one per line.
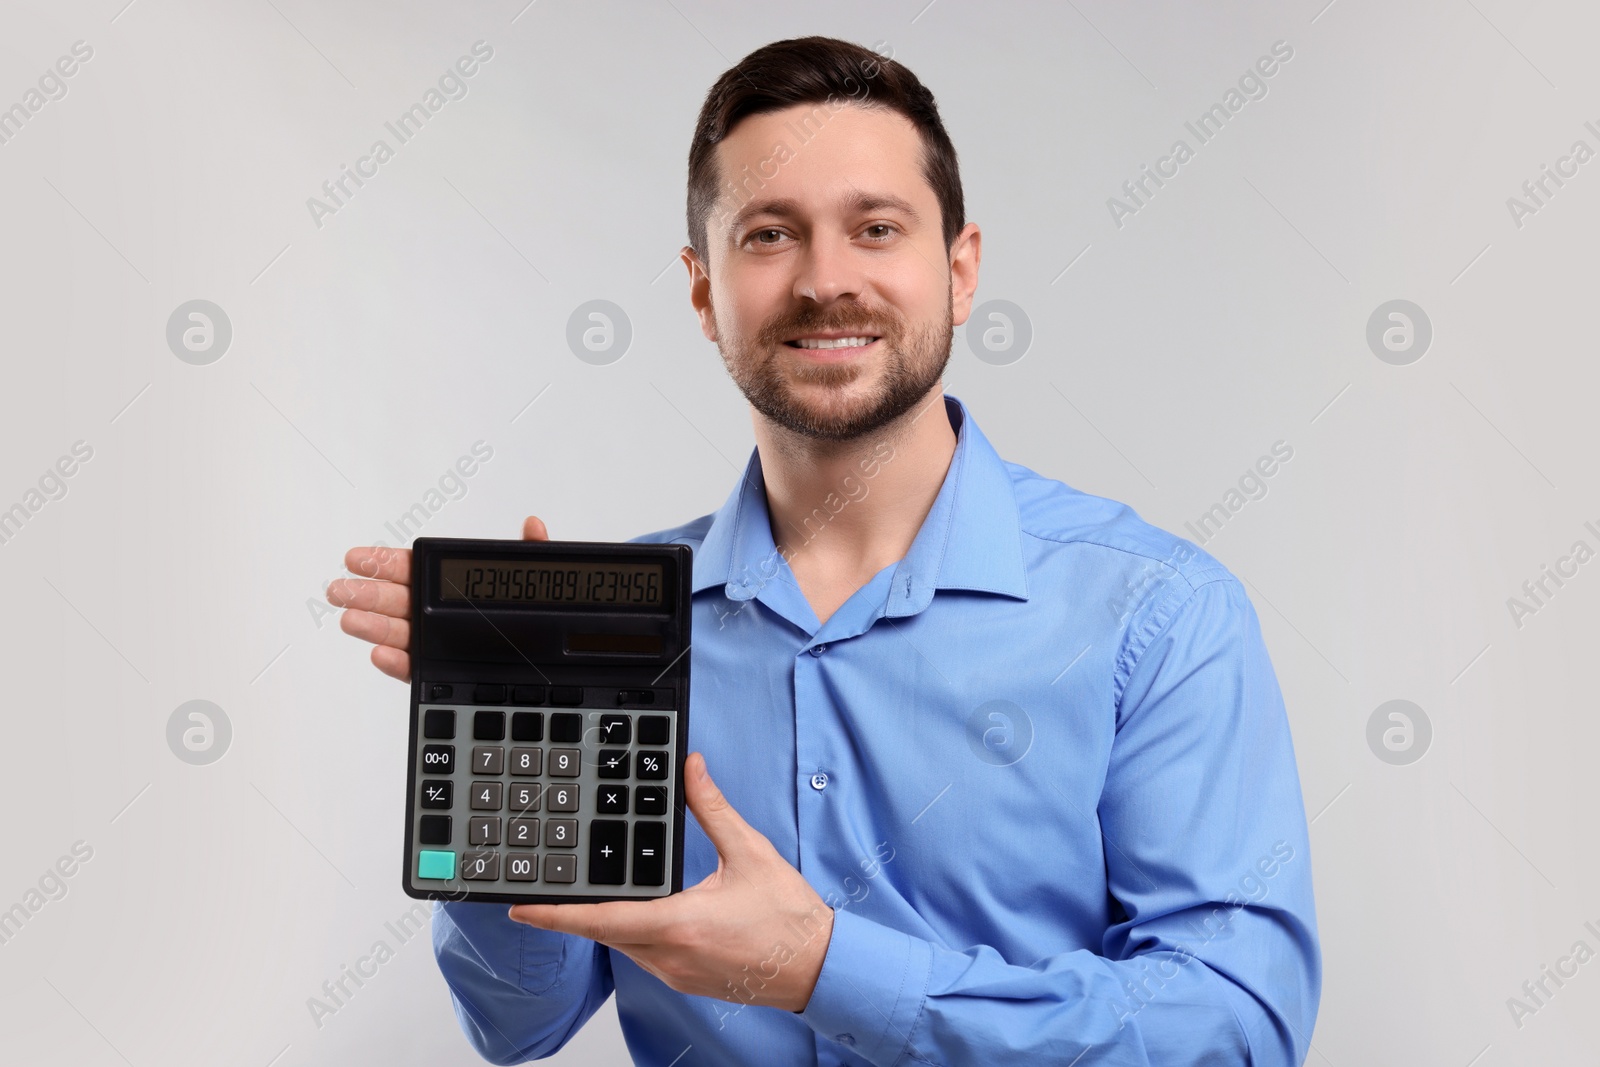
788, 208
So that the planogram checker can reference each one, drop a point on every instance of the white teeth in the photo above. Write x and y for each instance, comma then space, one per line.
837, 342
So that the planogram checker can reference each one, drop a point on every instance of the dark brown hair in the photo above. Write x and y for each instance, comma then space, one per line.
815, 70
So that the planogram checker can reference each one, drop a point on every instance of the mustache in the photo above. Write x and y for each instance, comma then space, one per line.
860, 322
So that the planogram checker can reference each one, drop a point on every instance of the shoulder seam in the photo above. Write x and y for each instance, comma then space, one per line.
1159, 619
1202, 575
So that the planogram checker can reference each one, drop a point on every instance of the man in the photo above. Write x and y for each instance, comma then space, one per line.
1005, 773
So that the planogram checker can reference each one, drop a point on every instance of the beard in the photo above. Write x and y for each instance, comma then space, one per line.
853, 404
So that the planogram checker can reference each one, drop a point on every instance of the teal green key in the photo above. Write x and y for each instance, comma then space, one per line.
440, 865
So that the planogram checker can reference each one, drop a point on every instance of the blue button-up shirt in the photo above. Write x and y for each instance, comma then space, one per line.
1040, 769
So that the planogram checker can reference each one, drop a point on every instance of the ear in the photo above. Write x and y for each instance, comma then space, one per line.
964, 257
700, 292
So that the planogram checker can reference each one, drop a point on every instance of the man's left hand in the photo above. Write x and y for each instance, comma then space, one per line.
753, 931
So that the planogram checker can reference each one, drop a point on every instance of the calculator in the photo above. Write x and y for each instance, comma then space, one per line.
549, 720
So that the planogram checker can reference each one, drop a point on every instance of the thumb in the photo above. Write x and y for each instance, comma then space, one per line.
533, 529
723, 825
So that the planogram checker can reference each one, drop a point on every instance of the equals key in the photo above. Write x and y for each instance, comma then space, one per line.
649, 853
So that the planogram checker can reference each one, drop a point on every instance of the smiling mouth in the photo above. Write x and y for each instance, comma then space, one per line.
826, 344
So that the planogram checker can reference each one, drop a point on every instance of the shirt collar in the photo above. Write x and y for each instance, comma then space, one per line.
971, 538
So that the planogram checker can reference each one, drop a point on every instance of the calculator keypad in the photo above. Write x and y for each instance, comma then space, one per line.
551, 803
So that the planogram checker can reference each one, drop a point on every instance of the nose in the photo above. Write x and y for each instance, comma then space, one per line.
828, 270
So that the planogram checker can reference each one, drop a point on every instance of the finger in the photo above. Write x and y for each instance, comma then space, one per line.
533, 529
385, 598
623, 922
379, 629
376, 561
393, 662
726, 828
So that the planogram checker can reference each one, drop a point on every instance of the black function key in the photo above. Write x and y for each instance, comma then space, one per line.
615, 729
439, 759
566, 695
612, 800
527, 694
489, 725
527, 726
488, 693
439, 723
652, 766
566, 727
436, 794
654, 729
438, 692
608, 851
651, 800
613, 763
636, 696
649, 853
434, 830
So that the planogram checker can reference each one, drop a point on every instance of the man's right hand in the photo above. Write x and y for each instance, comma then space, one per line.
378, 607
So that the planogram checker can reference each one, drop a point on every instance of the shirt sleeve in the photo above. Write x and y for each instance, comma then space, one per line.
1212, 956
520, 993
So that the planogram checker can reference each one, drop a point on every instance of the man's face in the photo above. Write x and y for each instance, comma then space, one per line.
830, 290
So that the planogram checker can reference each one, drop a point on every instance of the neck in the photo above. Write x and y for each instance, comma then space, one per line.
847, 509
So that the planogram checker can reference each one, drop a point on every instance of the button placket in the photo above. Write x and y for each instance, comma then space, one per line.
812, 720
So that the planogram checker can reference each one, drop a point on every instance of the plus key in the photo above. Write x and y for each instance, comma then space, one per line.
608, 851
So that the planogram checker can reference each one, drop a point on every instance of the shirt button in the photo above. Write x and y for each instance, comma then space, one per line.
819, 650
819, 781
846, 1039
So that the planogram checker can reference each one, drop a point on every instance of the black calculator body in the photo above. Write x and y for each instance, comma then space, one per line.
549, 720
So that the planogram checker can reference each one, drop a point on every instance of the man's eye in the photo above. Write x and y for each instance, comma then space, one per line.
760, 235
886, 231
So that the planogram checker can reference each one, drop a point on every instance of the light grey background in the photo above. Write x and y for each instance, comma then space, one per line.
1167, 355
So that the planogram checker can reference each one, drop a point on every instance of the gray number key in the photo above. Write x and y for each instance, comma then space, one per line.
525, 796
524, 833
488, 759
561, 798
480, 866
522, 868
